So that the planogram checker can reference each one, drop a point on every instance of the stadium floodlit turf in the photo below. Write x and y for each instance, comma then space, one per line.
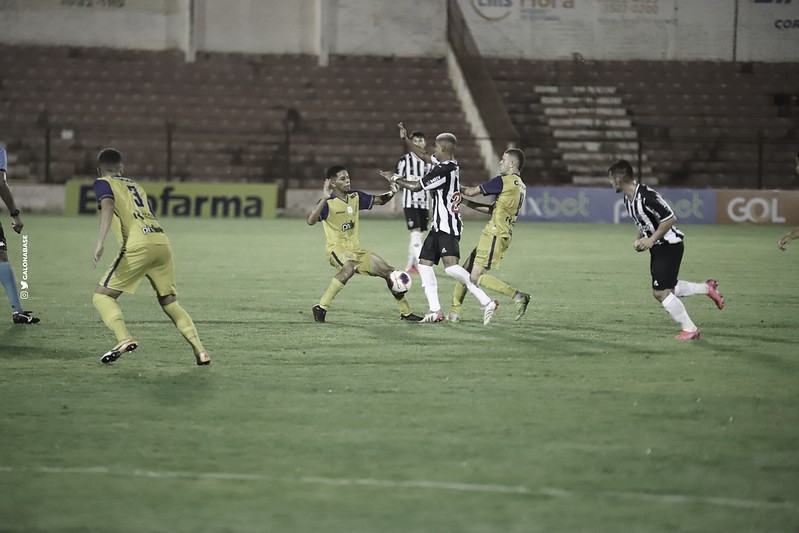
586, 415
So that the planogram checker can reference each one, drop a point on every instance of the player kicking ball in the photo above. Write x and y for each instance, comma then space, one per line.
338, 211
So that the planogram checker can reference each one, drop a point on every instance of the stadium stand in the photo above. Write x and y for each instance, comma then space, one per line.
703, 124
284, 118
224, 117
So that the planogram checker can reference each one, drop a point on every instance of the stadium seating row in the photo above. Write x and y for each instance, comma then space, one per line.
701, 123
229, 116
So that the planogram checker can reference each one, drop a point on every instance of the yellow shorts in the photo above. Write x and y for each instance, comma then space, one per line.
131, 266
490, 250
361, 258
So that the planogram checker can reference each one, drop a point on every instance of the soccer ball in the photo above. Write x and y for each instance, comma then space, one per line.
400, 281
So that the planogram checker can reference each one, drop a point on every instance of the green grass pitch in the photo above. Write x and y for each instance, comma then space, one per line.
584, 416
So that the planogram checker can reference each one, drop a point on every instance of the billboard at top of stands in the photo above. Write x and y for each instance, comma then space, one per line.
603, 204
168, 199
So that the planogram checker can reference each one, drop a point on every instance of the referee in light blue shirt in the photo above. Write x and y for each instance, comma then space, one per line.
7, 279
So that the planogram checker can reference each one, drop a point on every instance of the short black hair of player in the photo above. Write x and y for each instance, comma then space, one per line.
518, 155
109, 158
332, 171
623, 169
416, 134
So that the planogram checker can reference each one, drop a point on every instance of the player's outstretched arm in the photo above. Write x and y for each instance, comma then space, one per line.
477, 206
383, 199
396, 179
786, 239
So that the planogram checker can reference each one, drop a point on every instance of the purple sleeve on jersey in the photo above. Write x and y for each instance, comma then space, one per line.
325, 211
3, 160
492, 186
102, 189
365, 201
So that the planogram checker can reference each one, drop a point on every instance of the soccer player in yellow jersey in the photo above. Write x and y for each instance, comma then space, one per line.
144, 251
510, 192
338, 211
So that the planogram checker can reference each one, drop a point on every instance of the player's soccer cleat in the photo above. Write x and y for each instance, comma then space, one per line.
688, 336
452, 316
433, 316
488, 311
319, 313
203, 358
714, 294
410, 317
128, 345
412, 270
521, 305
25, 317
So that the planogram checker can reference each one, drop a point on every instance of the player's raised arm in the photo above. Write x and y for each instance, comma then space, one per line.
313, 216
411, 147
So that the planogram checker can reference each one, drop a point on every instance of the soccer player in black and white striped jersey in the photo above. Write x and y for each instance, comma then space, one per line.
658, 234
415, 205
442, 241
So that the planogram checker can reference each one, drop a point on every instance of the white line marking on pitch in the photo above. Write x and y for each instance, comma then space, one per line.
409, 484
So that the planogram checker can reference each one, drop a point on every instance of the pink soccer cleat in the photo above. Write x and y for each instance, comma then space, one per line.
714, 294
688, 335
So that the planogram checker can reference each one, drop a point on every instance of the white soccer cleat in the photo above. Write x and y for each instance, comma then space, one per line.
488, 311
433, 316
453, 317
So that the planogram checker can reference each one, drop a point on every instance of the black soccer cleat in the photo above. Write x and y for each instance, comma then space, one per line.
318, 313
410, 317
25, 317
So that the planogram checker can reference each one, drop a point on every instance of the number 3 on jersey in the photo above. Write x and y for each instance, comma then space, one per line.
136, 197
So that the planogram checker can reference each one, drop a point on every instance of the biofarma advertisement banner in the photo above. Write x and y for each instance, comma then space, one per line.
180, 199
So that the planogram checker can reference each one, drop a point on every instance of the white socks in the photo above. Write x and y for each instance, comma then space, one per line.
675, 308
414, 248
462, 275
430, 284
686, 288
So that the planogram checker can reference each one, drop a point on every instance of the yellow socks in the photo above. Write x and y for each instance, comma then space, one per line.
331, 292
185, 325
457, 298
404, 306
112, 315
490, 282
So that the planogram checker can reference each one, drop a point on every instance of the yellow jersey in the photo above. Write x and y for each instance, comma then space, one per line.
340, 219
510, 193
134, 221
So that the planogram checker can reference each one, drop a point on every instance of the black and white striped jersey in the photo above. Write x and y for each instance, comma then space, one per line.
412, 168
648, 209
443, 182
